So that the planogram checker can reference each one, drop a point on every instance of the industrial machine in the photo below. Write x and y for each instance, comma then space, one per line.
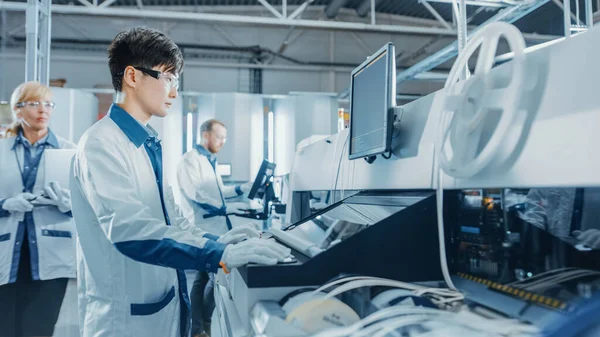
470, 226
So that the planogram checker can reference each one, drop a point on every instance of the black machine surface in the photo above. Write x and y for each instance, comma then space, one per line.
496, 245
373, 97
391, 235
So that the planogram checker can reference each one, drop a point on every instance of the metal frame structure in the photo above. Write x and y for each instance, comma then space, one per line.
284, 16
38, 32
278, 18
290, 21
569, 17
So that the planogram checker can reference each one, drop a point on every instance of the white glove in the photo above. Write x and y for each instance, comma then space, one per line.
57, 196
246, 187
254, 251
20, 203
590, 238
256, 204
239, 234
236, 208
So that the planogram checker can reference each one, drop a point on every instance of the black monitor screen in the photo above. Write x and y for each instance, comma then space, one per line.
263, 180
373, 95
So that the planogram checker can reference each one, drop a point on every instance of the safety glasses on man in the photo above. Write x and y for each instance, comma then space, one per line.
171, 81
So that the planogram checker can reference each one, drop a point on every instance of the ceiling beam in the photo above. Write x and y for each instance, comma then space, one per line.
235, 19
107, 3
509, 15
560, 5
85, 3
270, 8
300, 9
436, 14
482, 3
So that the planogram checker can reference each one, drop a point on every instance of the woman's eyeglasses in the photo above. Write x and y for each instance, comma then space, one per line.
36, 104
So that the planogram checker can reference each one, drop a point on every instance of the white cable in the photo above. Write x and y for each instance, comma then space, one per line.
348, 330
342, 188
442, 125
559, 280
454, 296
382, 314
342, 280
527, 280
464, 319
363, 283
339, 167
333, 173
399, 284
398, 322
556, 278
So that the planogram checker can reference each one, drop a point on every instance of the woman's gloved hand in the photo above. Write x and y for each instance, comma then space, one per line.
239, 234
56, 196
254, 250
19, 203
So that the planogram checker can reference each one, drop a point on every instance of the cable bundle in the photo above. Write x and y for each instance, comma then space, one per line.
553, 278
427, 322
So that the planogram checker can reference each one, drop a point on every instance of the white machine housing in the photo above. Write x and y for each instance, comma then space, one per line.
565, 112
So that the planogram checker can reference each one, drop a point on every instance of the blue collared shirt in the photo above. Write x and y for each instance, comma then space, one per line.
32, 155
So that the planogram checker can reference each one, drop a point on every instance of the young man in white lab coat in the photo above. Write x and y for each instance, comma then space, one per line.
204, 196
133, 245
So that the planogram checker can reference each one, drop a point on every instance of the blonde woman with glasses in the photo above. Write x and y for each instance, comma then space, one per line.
37, 234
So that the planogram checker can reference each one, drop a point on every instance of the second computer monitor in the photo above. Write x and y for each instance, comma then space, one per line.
373, 97
262, 182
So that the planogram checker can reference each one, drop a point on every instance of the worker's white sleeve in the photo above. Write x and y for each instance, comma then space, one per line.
102, 175
194, 185
179, 220
229, 191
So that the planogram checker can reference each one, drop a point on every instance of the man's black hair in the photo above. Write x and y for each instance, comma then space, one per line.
142, 47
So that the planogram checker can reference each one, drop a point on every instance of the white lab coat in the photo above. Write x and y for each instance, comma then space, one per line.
126, 251
55, 234
203, 191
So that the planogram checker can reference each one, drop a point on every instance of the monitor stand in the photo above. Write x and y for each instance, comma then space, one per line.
268, 196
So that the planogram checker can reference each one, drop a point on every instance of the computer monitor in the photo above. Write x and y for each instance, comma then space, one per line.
262, 188
263, 182
372, 99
